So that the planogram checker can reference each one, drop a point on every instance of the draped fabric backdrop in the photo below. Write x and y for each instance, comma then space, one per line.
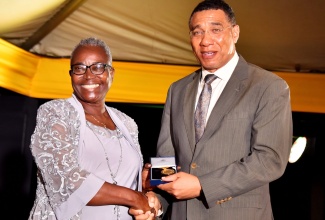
43, 77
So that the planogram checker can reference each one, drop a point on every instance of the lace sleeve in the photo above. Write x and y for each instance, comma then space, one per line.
54, 146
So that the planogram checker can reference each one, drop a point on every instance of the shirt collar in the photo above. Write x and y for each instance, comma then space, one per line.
225, 72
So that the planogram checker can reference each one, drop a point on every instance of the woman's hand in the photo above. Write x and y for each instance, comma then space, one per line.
146, 178
142, 203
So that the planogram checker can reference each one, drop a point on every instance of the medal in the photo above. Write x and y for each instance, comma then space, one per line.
167, 171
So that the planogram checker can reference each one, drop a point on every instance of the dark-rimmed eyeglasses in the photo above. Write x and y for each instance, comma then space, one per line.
96, 68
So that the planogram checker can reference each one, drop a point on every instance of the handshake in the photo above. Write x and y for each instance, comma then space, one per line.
152, 176
180, 185
145, 213
152, 200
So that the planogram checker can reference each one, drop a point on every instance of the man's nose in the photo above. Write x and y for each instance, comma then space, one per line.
207, 38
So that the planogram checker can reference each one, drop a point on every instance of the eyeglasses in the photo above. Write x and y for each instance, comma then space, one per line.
96, 68
214, 32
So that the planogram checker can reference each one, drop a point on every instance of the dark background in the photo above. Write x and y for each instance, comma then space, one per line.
298, 194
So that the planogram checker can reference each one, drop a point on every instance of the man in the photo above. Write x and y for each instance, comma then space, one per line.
247, 133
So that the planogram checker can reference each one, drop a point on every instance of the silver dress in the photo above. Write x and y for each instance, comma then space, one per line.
71, 161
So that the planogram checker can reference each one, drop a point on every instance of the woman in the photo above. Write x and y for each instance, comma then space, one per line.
88, 156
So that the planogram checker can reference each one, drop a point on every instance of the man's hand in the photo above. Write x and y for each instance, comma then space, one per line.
140, 215
155, 205
182, 185
153, 201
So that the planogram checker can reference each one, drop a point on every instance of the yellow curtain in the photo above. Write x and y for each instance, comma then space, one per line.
42, 77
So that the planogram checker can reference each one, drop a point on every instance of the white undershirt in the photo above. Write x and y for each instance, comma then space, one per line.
224, 73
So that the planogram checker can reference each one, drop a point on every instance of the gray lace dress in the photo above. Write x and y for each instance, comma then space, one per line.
70, 154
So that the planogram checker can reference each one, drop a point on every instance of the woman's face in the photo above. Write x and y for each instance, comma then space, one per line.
90, 88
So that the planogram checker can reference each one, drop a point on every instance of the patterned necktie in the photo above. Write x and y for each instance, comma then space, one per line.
202, 106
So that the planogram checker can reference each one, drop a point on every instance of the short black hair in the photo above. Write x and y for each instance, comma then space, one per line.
214, 5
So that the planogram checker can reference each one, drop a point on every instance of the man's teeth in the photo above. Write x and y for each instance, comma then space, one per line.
90, 86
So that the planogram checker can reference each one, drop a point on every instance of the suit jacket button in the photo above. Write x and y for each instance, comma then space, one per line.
193, 165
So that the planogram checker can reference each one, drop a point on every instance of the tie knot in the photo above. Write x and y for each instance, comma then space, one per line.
209, 78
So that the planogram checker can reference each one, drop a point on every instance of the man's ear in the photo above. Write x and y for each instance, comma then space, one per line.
235, 33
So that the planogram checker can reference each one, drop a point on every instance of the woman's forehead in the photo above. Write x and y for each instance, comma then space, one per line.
88, 53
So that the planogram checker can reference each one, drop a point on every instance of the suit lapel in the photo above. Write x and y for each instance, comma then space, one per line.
234, 89
188, 106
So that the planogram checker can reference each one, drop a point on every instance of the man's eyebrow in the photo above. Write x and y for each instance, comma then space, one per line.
196, 26
216, 23
211, 23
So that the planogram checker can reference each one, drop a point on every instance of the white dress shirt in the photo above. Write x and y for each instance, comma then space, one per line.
224, 73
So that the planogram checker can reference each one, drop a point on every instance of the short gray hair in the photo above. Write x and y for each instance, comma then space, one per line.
92, 41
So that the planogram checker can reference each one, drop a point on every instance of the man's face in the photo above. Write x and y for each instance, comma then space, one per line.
213, 38
90, 88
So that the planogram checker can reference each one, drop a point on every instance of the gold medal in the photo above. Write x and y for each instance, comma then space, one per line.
167, 171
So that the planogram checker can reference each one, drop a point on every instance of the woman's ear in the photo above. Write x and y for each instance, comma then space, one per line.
112, 71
